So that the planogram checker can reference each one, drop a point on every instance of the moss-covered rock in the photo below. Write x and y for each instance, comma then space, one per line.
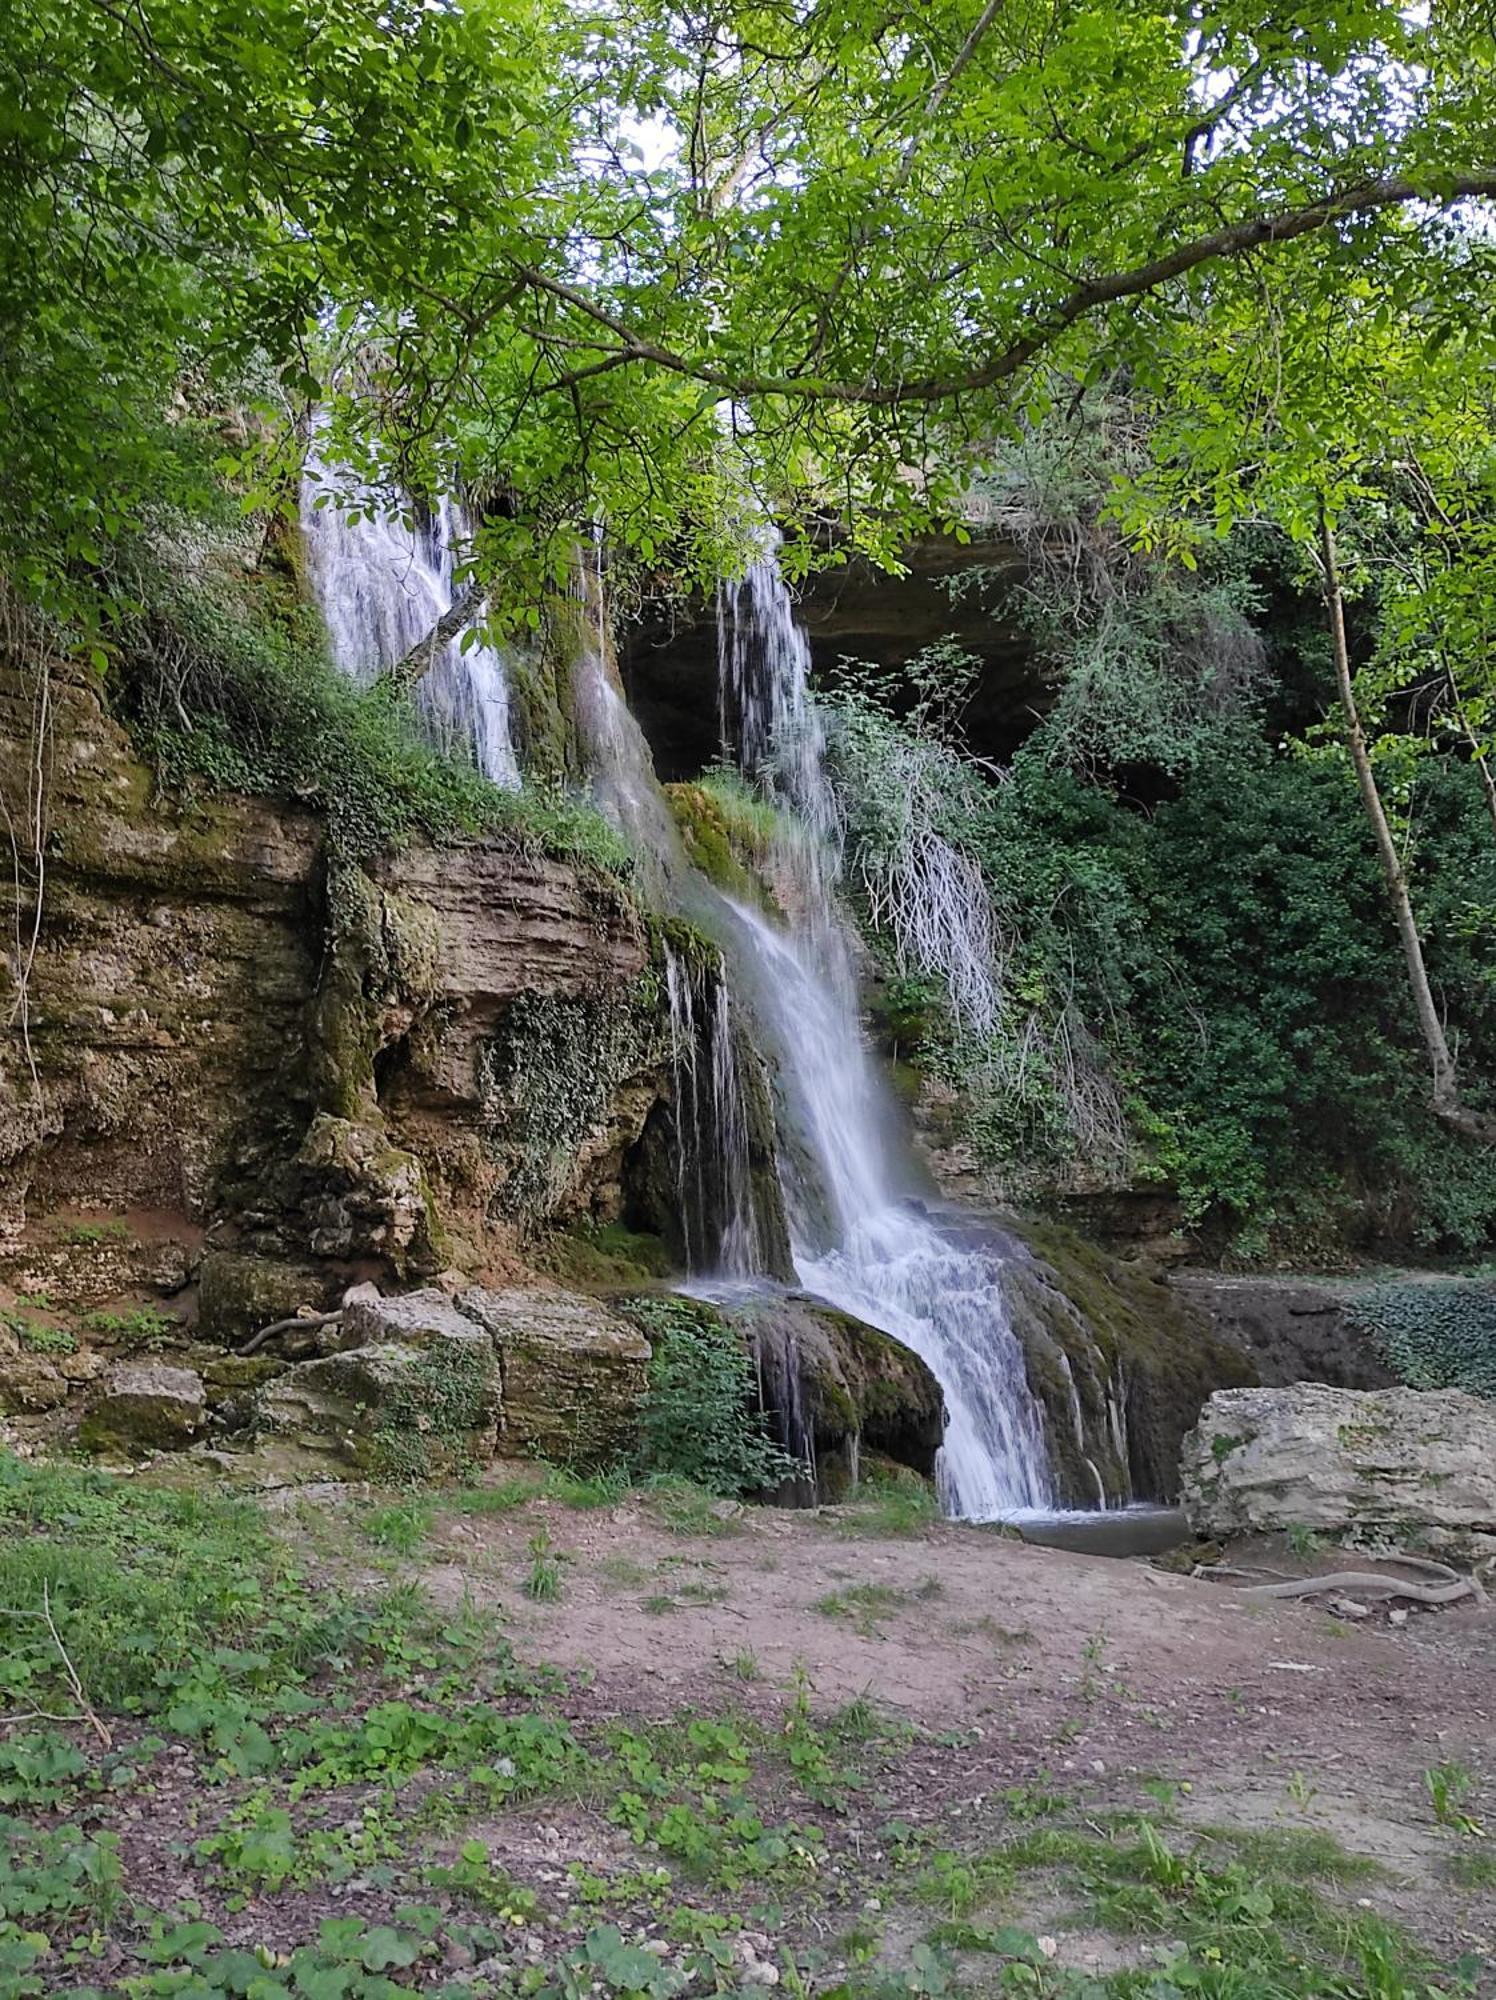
145, 1406
1119, 1362
575, 1374
835, 1387
392, 1410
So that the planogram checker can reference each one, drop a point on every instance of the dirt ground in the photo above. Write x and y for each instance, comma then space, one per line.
1105, 1677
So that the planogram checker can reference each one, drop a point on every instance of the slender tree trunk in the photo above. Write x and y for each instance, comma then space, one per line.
464, 609
1445, 1094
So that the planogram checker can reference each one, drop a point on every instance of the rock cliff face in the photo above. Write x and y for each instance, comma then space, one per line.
217, 1023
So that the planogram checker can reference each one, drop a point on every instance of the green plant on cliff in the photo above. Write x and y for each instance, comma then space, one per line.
549, 1077
1433, 1335
227, 689
700, 1419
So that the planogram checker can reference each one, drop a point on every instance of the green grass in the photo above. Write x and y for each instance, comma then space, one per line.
890, 1504
402, 1527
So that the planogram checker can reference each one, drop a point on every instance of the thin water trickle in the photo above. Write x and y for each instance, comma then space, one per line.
382, 585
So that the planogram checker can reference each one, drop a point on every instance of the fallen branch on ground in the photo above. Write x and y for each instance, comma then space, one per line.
257, 1340
1366, 1585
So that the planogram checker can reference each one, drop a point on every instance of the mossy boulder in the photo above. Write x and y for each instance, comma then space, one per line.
239, 1294
835, 1388
391, 1409
30, 1384
145, 1406
575, 1374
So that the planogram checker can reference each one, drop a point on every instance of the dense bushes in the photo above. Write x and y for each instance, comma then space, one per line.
1224, 963
701, 1419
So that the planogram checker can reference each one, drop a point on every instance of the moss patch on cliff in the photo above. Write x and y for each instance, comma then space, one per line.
550, 1078
728, 833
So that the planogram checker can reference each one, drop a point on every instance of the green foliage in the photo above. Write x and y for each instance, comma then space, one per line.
549, 1077
38, 1338
224, 695
1438, 1335
889, 1500
698, 1422
138, 1330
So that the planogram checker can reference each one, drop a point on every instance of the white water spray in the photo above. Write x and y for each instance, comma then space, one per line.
382, 586
858, 1240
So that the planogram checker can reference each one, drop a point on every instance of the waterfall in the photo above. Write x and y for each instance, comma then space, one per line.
382, 585
719, 1219
858, 1238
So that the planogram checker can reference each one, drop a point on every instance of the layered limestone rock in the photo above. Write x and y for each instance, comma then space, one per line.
575, 1374
1413, 1467
390, 1067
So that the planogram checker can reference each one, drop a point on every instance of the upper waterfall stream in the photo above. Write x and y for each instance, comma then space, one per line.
382, 585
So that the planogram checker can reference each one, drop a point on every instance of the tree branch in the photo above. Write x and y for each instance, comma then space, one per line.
409, 668
1048, 324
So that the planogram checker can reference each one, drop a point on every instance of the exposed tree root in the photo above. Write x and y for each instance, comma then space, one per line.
1364, 1584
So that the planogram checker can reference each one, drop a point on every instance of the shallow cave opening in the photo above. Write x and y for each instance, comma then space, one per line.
853, 612
389, 1062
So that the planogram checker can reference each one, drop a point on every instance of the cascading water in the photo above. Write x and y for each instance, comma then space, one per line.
857, 1238
720, 1225
382, 586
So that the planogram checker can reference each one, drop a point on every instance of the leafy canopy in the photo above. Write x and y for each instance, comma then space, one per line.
629, 262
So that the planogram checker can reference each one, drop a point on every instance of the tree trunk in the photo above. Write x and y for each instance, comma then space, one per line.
1445, 1093
465, 608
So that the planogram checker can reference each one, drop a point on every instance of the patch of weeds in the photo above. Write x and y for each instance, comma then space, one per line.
40, 1770
865, 1606
543, 1582
890, 1503
473, 1879
624, 1571
1036, 1800
141, 1330
659, 1605
402, 1527
36, 1337
587, 1490
1303, 1541
1471, 1869
87, 1235
1448, 1786
743, 1665
500, 1498
1297, 1854
687, 1509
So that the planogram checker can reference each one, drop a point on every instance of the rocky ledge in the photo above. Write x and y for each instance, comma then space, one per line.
1415, 1468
